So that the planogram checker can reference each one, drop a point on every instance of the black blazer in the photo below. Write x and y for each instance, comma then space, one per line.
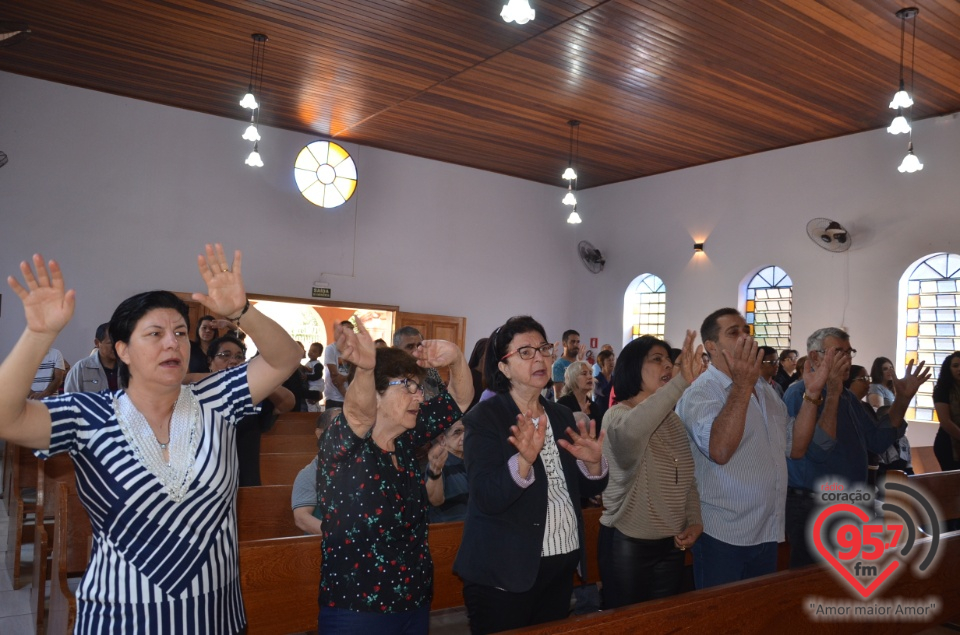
503, 530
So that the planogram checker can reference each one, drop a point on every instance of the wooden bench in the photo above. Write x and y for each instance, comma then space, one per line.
264, 512
280, 581
288, 443
282, 469
942, 487
49, 472
72, 537
294, 423
23, 475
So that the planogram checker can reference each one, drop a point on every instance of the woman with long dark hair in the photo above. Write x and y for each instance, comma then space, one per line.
155, 461
523, 536
946, 400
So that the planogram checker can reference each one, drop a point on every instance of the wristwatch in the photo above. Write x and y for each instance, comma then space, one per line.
433, 475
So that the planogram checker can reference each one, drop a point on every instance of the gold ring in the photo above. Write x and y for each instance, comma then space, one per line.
224, 270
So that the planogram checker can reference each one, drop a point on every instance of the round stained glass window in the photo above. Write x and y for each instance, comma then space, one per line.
325, 174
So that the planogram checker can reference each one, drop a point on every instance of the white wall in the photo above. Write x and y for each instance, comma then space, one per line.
752, 212
124, 193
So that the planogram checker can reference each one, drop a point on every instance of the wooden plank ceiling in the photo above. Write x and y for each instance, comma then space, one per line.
658, 84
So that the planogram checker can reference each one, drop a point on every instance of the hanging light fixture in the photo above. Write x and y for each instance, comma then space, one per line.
253, 159
518, 11
902, 98
570, 174
252, 133
910, 162
574, 218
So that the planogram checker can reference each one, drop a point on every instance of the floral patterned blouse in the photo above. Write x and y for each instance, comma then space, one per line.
375, 552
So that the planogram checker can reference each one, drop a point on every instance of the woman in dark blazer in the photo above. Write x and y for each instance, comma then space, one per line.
528, 463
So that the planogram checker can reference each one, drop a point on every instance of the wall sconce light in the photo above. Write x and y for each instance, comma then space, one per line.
698, 248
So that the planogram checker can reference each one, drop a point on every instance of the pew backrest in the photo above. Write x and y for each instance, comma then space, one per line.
280, 581
72, 535
264, 512
288, 443
282, 468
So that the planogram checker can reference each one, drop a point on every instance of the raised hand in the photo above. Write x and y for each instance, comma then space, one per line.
437, 456
690, 363
910, 383
745, 361
225, 293
832, 372
356, 347
46, 305
527, 437
437, 353
586, 444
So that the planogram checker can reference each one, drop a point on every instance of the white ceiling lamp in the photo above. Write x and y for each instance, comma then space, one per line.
518, 11
252, 133
570, 174
902, 99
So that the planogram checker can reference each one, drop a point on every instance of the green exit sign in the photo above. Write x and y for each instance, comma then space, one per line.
321, 292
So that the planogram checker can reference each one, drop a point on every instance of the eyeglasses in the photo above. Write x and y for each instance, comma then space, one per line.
865, 378
412, 386
528, 352
837, 351
240, 357
775, 362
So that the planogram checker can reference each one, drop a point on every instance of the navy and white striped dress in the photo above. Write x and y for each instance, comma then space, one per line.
157, 566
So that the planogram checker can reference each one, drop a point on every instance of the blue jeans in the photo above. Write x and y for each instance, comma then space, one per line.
333, 621
716, 562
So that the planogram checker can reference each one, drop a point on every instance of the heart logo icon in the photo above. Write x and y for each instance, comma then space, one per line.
831, 558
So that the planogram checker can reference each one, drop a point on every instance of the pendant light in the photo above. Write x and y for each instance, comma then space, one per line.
254, 88
570, 174
902, 99
518, 11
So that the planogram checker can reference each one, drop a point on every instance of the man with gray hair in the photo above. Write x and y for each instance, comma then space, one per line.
837, 454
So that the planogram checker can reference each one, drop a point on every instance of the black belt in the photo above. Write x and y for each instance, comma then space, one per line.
801, 492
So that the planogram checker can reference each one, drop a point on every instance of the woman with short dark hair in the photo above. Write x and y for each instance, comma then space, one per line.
155, 461
523, 536
651, 506
377, 574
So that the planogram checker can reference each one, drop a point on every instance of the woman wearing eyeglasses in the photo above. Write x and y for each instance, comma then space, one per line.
528, 465
377, 574
229, 352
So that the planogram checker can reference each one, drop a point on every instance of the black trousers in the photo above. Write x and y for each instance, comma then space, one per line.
492, 610
635, 570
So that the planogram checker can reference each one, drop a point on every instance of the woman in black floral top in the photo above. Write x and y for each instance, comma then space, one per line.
377, 572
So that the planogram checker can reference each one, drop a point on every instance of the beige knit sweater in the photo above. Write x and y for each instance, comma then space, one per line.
652, 492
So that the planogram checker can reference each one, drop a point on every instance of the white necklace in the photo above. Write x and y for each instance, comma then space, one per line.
181, 445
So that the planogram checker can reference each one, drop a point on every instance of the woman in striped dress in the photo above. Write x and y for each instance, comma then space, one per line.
155, 461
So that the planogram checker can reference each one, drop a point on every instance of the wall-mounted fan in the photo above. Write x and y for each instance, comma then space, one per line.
829, 234
591, 257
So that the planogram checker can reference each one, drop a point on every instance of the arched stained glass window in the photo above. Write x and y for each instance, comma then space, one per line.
769, 309
647, 304
930, 322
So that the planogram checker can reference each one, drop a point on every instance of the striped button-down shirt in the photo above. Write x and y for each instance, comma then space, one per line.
742, 502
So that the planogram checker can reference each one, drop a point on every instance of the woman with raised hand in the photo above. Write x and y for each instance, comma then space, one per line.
523, 537
377, 574
652, 509
155, 461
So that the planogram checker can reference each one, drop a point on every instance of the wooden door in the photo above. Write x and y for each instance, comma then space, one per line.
435, 327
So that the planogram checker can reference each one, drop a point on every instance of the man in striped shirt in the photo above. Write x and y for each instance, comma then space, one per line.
740, 436
49, 376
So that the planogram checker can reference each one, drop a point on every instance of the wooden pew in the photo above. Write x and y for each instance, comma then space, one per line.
264, 512
942, 487
294, 423
280, 581
282, 469
288, 443
49, 472
776, 603
72, 536
23, 475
